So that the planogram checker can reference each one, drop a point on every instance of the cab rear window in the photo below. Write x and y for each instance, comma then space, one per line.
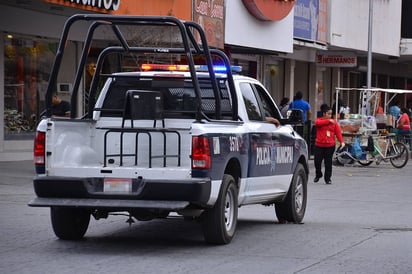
178, 95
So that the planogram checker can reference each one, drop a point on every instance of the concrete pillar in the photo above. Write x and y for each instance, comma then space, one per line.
289, 78
1, 92
312, 89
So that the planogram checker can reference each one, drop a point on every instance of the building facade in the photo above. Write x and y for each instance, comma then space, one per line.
307, 45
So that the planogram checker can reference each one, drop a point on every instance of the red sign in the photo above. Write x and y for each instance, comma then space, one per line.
269, 10
335, 59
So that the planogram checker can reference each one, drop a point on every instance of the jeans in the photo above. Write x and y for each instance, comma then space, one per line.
324, 154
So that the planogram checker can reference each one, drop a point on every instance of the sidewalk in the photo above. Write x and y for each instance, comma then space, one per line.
11, 156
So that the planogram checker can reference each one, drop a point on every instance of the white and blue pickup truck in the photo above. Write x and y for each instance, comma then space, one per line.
189, 139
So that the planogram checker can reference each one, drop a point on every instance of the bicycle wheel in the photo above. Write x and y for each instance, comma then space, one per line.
398, 154
365, 162
342, 156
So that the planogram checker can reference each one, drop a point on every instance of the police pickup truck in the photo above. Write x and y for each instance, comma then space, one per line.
188, 138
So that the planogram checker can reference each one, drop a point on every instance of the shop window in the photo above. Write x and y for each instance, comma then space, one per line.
27, 64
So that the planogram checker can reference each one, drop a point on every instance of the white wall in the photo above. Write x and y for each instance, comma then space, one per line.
242, 29
349, 25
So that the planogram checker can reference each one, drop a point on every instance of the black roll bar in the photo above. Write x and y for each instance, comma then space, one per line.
189, 48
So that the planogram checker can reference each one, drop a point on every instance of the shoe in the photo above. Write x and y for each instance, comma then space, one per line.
328, 182
316, 179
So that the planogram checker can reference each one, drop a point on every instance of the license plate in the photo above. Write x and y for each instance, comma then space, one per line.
118, 185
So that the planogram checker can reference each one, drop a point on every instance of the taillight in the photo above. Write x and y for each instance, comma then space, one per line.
39, 151
200, 152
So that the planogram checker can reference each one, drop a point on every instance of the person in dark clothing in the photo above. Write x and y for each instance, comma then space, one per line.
327, 129
336, 109
404, 124
299, 103
284, 106
60, 107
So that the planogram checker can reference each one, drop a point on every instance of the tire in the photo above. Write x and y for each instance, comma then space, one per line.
365, 162
292, 208
219, 223
69, 223
398, 156
344, 159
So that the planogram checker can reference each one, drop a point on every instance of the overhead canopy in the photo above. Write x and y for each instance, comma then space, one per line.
388, 90
370, 98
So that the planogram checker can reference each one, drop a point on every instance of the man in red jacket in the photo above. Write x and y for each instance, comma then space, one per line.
327, 129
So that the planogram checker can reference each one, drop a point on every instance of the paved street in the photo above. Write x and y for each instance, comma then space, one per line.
360, 224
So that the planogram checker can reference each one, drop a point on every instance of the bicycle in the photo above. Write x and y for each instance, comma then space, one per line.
385, 147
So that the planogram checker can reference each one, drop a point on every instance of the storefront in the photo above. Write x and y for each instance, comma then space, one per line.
29, 46
27, 63
285, 61
29, 49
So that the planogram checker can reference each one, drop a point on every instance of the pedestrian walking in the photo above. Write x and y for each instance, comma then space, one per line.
327, 130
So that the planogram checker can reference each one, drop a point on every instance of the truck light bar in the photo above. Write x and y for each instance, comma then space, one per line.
153, 67
200, 68
218, 68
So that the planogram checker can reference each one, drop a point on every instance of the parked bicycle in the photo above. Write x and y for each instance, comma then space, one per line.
376, 149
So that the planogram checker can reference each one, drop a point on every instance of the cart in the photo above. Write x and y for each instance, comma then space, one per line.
374, 148
369, 134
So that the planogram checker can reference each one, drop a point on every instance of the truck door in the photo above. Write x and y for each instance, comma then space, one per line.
282, 140
265, 139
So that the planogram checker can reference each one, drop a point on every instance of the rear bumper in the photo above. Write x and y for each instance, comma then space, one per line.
88, 192
113, 204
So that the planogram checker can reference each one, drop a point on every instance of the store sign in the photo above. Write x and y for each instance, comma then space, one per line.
177, 8
337, 59
210, 16
305, 25
101, 5
310, 20
265, 10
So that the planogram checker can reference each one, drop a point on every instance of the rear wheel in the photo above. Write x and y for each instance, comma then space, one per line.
69, 223
293, 208
399, 155
365, 162
219, 223
342, 156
